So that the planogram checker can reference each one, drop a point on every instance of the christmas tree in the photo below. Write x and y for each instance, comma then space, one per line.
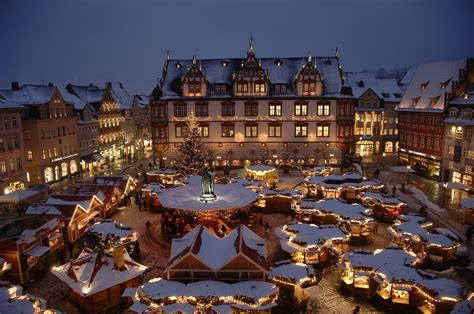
193, 154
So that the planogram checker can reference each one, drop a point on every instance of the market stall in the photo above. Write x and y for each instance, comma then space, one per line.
277, 201
384, 207
12, 300
264, 173
312, 244
317, 171
167, 176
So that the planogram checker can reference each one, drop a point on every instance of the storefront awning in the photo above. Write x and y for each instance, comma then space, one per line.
88, 159
38, 251
98, 156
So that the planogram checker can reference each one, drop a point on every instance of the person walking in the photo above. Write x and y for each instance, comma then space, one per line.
394, 190
468, 235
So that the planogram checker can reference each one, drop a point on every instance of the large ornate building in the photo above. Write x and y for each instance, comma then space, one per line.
421, 114
254, 110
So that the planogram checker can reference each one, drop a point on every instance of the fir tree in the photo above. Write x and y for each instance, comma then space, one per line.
193, 154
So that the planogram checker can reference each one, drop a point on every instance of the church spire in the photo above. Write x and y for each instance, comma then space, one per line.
250, 49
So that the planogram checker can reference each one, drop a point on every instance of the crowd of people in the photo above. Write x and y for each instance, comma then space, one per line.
175, 224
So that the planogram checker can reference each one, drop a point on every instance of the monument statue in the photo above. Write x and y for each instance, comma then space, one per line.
207, 184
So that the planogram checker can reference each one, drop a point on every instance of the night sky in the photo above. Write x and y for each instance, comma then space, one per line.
123, 40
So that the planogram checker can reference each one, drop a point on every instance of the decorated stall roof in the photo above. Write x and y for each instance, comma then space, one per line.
12, 300
333, 206
396, 266
297, 236
216, 252
84, 201
19, 196
295, 273
464, 307
260, 168
121, 181
103, 192
109, 228
95, 271
351, 179
158, 293
229, 196
383, 198
413, 226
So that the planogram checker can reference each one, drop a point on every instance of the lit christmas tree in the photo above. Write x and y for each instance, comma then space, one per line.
193, 154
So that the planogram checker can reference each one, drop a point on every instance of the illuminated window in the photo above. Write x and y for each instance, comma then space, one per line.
322, 131
274, 109
323, 110
30, 155
459, 133
227, 130
274, 130
301, 130
251, 130
194, 89
203, 130
309, 88
301, 109
242, 88
260, 88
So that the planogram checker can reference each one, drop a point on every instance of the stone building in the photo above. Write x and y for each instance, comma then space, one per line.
254, 110
49, 130
376, 121
12, 156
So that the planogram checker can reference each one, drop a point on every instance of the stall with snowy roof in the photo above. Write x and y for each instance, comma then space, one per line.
126, 184
384, 207
355, 218
317, 171
111, 233
265, 173
201, 254
436, 251
293, 281
468, 205
109, 195
167, 176
164, 296
78, 211
277, 201
12, 300
29, 244
150, 192
388, 276
229, 199
312, 244
346, 186
97, 279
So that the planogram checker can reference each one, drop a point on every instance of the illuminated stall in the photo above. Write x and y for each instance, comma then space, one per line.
347, 186
278, 201
167, 177
312, 244
12, 300
436, 251
384, 207
109, 195
317, 171
264, 173
355, 218
388, 276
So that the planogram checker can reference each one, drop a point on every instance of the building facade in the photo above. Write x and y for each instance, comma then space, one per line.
49, 131
12, 156
421, 114
254, 110
458, 152
376, 121
142, 118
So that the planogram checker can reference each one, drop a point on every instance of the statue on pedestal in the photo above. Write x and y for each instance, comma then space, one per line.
207, 185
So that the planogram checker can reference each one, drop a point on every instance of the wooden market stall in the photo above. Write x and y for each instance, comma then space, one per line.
436, 251
96, 280
264, 173
109, 195
278, 201
126, 184
312, 244
12, 300
167, 176
387, 275
317, 171
384, 207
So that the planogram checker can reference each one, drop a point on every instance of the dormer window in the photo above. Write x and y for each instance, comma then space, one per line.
434, 100
309, 88
242, 88
250, 79
194, 82
194, 89
385, 95
360, 83
415, 100
453, 113
467, 114
279, 88
178, 65
260, 88
445, 84
466, 96
424, 85
308, 80
220, 89
397, 95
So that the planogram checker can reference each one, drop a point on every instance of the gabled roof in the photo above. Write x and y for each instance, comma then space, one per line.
429, 86
120, 181
220, 71
81, 95
104, 192
216, 252
361, 82
29, 94
85, 201
93, 272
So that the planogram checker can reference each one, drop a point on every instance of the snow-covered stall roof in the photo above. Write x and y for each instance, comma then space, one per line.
229, 196
396, 265
93, 272
296, 273
19, 196
464, 307
297, 236
108, 228
120, 181
216, 252
429, 85
84, 201
12, 300
279, 70
412, 225
336, 207
383, 198
160, 292
104, 192
351, 179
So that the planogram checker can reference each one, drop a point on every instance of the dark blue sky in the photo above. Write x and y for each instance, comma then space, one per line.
97, 40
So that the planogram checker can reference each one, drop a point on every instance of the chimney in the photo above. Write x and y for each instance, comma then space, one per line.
15, 85
119, 259
50, 84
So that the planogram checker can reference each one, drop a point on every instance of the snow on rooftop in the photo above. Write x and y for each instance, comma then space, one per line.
296, 272
383, 198
229, 196
106, 228
386, 89
430, 83
260, 168
93, 272
18, 196
12, 300
41, 208
337, 207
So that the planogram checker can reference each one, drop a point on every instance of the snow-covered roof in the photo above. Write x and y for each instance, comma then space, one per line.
81, 95
429, 85
12, 300
351, 179
29, 94
396, 265
295, 272
383, 198
465, 98
464, 307
8, 104
93, 272
30, 236
216, 252
83, 200
18, 196
119, 181
166, 293
408, 77
337, 207
229, 196
103, 192
220, 71
297, 236
41, 208
386, 89
411, 225
142, 100
108, 228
